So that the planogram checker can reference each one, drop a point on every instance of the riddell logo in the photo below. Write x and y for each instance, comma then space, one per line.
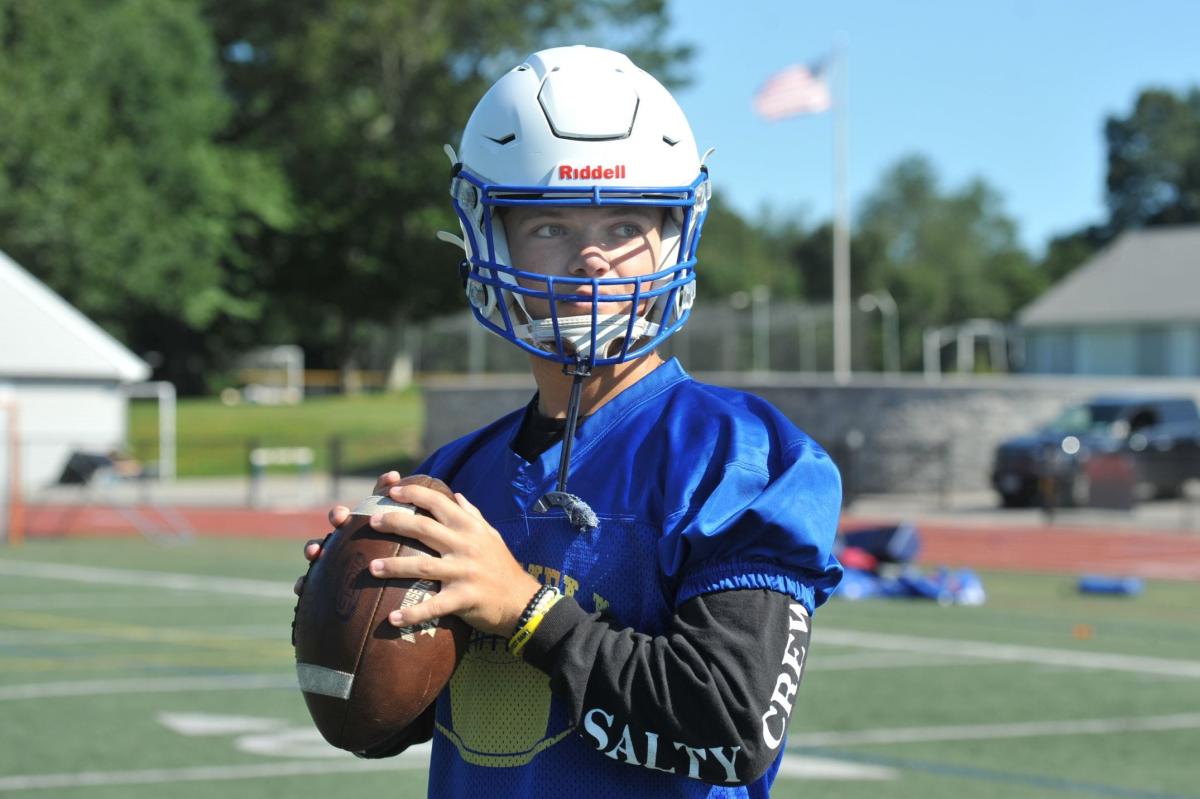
597, 172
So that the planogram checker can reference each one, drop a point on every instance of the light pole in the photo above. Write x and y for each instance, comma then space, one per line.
889, 317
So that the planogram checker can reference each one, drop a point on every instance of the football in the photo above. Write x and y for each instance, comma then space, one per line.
364, 680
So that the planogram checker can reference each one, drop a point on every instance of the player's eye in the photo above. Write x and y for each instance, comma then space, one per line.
549, 230
628, 230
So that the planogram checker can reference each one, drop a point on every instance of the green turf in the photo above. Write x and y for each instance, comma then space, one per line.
213, 439
56, 632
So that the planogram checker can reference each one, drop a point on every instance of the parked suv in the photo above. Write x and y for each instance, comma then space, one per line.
1160, 436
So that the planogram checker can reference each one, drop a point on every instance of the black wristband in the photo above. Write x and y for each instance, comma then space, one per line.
527, 614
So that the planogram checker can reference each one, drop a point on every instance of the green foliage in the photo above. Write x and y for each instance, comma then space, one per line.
736, 254
113, 189
203, 176
357, 99
1068, 251
946, 256
1153, 175
1154, 161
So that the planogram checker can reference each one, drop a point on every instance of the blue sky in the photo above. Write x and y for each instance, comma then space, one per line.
1012, 91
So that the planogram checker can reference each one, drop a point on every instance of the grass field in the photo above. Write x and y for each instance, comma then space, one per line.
213, 439
124, 675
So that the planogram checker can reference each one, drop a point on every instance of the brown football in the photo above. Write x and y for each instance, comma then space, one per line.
364, 680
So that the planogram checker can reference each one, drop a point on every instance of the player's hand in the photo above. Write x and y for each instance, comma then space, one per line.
338, 515
482, 583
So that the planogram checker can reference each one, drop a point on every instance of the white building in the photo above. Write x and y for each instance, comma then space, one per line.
1133, 309
64, 375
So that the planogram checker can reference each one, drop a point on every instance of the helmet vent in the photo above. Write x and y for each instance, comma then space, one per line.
670, 142
507, 139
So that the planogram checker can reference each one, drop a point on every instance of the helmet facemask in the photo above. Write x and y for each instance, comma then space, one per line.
656, 305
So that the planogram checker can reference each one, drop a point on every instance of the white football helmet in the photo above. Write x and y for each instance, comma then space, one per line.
578, 126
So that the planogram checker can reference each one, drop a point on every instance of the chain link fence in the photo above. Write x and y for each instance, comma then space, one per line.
745, 333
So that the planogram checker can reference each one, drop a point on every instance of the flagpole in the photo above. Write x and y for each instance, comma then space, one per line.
841, 221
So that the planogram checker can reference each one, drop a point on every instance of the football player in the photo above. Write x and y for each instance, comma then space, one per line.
638, 553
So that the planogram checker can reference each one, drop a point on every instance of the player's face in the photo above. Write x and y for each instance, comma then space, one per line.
606, 242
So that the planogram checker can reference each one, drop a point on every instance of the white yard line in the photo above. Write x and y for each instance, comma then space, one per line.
415, 758
1010, 652
978, 732
74, 638
148, 579
91, 779
141, 685
825, 768
126, 598
883, 660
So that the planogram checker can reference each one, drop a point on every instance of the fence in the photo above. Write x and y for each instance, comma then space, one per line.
742, 334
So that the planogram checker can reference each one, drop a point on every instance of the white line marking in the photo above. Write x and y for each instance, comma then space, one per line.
239, 632
1012, 652
138, 685
884, 660
979, 732
147, 579
216, 724
823, 768
415, 758
126, 599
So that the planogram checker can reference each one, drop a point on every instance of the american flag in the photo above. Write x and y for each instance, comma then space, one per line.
793, 90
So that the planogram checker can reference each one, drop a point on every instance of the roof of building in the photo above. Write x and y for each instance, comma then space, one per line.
43, 335
1144, 276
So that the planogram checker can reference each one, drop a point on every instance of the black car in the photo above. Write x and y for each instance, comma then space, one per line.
1159, 437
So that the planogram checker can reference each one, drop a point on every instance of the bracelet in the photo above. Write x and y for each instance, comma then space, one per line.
545, 598
527, 613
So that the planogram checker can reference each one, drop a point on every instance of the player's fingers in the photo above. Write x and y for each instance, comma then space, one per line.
338, 515
440, 506
429, 532
312, 549
412, 567
435, 607
298, 588
473, 511
386, 481
466, 505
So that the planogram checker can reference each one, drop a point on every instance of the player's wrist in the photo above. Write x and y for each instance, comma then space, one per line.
521, 599
531, 617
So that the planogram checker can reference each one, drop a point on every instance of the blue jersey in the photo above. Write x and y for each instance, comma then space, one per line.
698, 489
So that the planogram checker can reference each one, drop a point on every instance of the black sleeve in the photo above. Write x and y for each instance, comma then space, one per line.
710, 699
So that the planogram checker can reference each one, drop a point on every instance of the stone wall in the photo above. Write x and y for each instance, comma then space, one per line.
889, 434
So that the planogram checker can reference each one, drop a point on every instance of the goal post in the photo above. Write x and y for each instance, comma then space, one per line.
164, 393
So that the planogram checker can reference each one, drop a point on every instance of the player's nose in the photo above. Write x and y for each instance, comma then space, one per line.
591, 261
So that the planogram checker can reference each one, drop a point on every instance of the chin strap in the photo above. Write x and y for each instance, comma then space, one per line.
578, 512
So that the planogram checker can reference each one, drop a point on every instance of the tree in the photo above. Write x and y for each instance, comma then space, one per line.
944, 256
737, 255
356, 99
1153, 176
1154, 161
113, 189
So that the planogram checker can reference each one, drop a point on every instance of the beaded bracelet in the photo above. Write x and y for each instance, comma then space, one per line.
545, 598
